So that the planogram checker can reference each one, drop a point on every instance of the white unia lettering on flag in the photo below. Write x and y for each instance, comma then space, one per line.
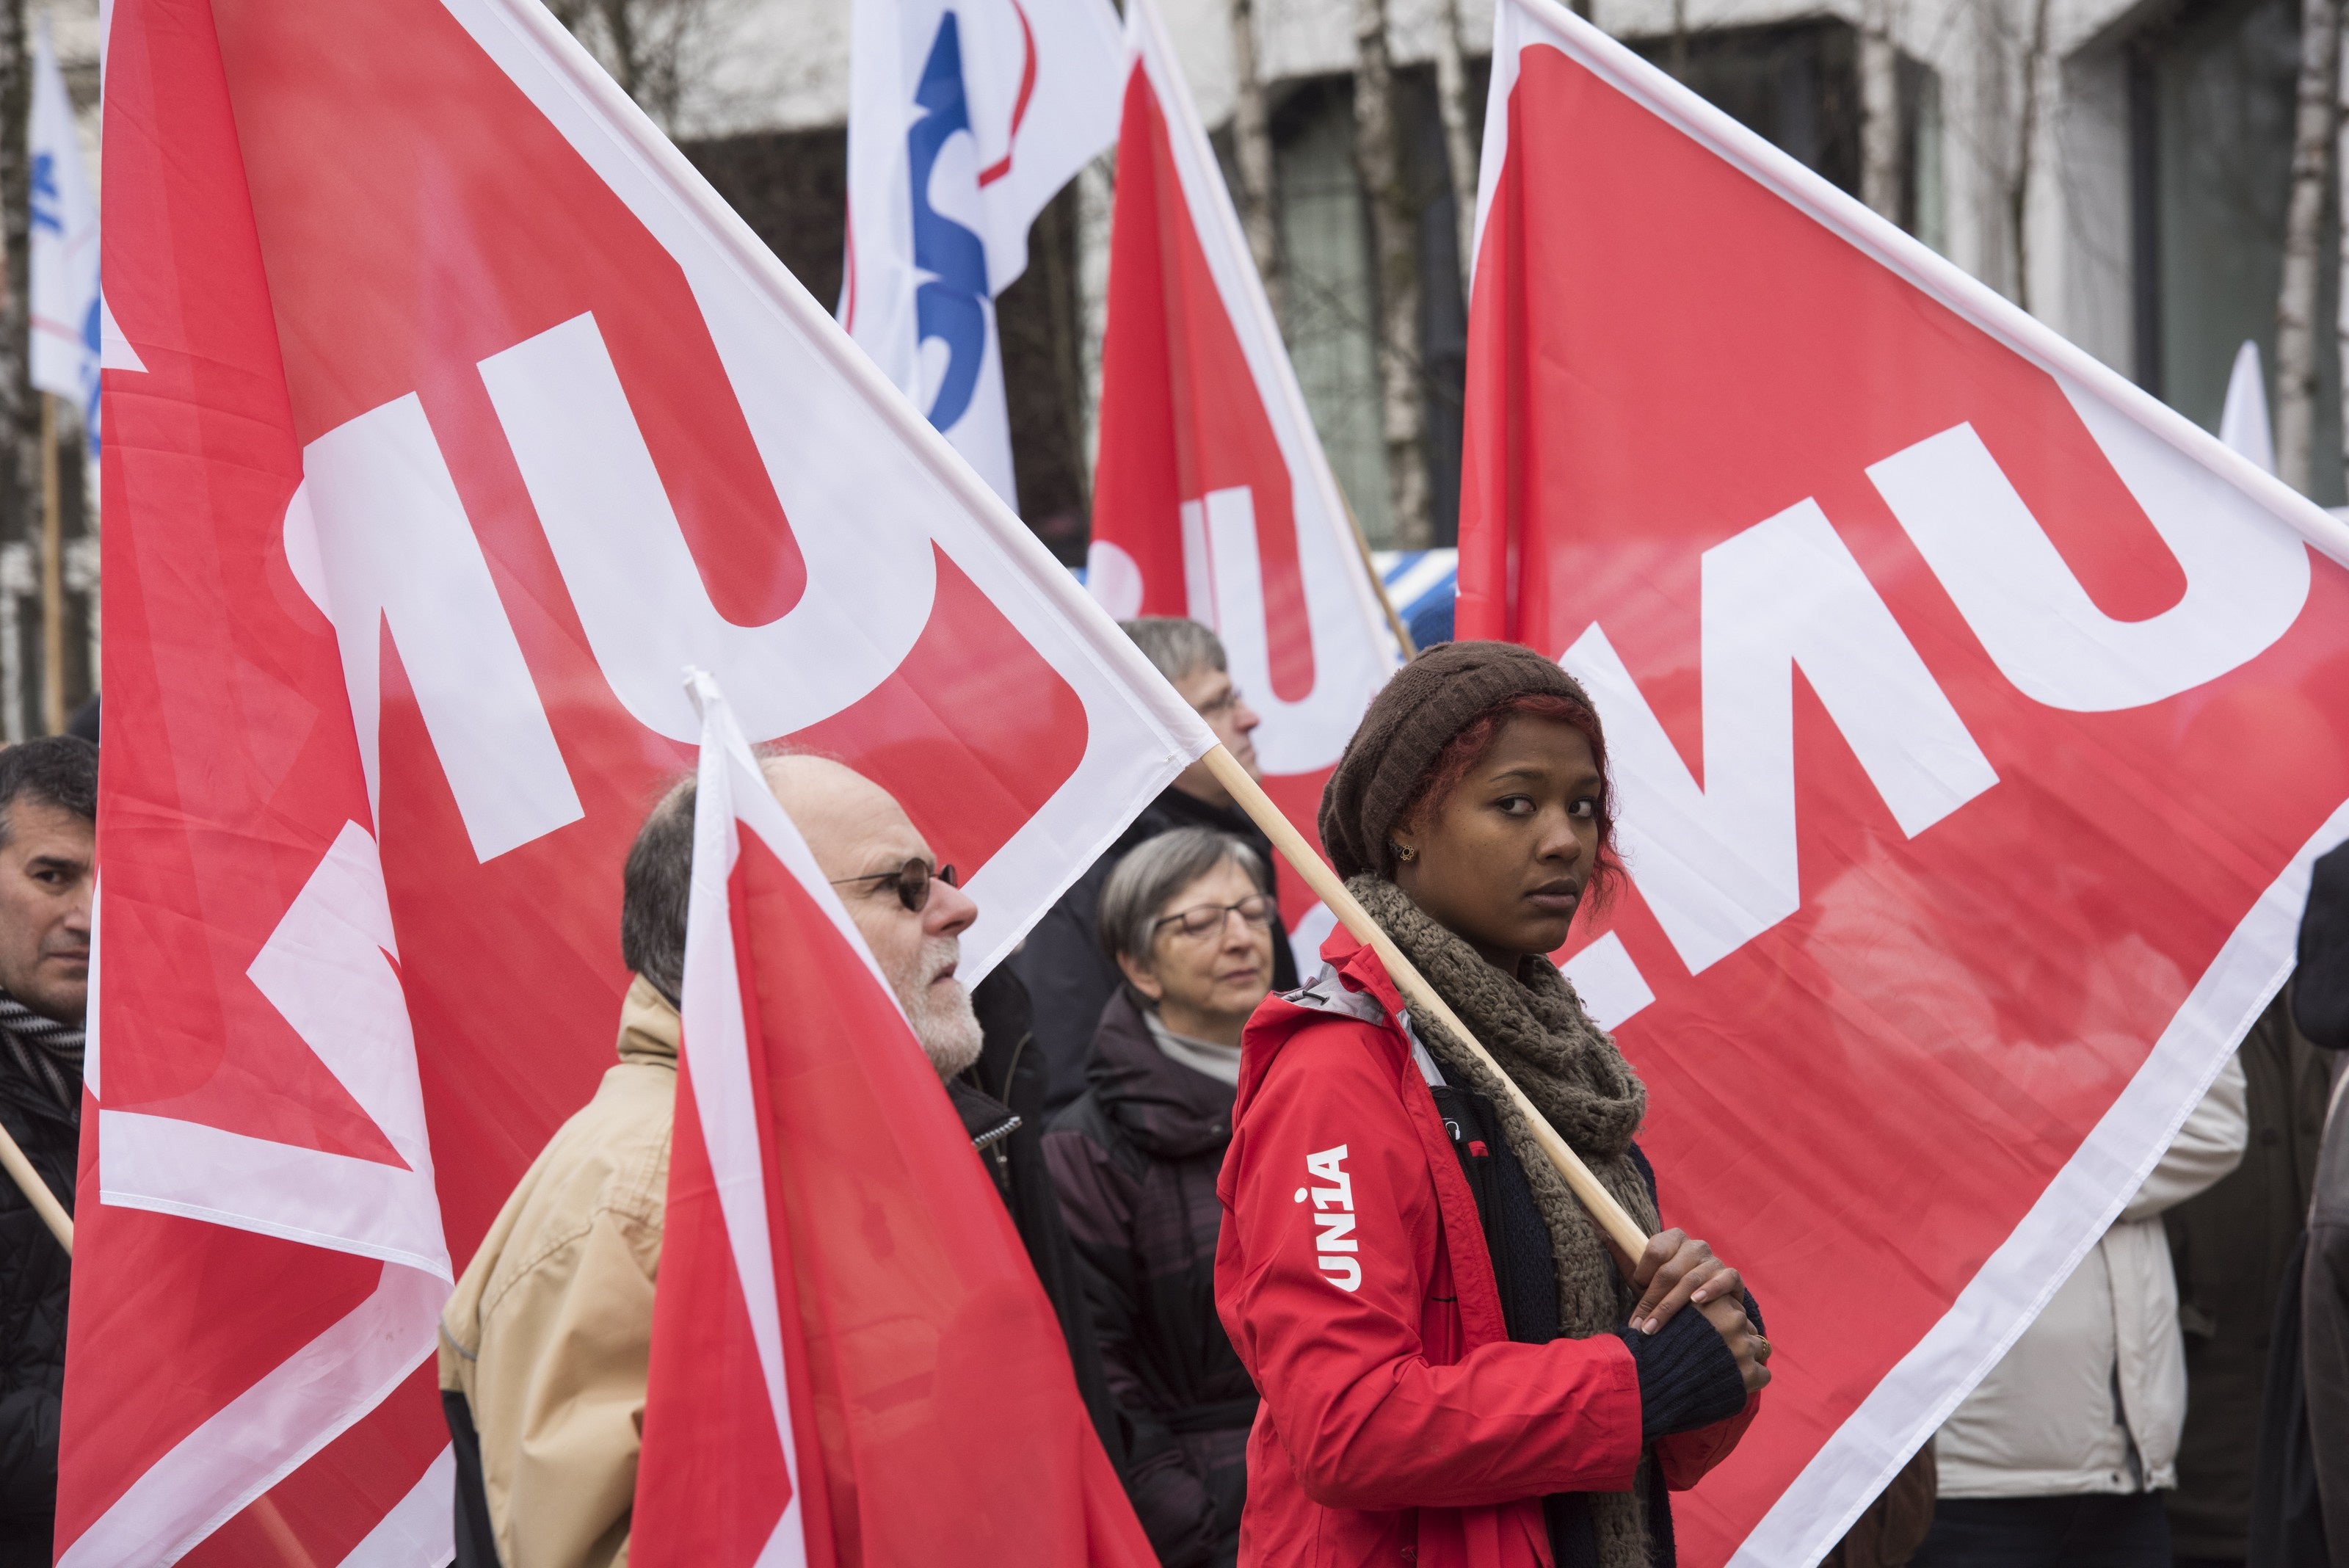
433, 472
1213, 499
1972, 718
965, 118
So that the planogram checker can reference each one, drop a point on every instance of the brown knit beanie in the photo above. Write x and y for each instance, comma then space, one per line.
1429, 700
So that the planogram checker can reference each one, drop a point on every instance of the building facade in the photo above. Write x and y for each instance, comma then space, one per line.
2119, 167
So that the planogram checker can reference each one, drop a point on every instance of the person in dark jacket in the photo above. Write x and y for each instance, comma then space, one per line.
2230, 1246
1001, 1098
48, 810
2300, 1512
1069, 977
1187, 919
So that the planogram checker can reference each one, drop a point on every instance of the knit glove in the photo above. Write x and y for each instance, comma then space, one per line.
1688, 1378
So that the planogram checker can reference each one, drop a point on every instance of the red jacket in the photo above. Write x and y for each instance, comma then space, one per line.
1400, 1423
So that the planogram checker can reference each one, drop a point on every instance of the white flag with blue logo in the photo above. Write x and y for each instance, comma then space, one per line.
64, 245
965, 118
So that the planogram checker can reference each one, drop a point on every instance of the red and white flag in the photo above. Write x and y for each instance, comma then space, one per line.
1212, 497
1930, 950
453, 415
816, 1152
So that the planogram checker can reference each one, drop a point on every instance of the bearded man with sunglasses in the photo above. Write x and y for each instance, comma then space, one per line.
544, 1344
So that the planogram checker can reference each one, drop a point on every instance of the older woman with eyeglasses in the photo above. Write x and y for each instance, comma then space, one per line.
1188, 921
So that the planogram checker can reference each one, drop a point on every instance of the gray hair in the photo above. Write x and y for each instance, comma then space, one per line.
1154, 871
655, 888
656, 885
1178, 647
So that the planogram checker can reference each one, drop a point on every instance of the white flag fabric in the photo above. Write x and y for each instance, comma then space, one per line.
965, 118
64, 242
2243, 422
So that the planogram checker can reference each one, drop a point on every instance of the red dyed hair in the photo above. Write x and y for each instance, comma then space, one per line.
1461, 754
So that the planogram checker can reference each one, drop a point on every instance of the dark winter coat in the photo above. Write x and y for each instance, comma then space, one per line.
1000, 1101
1135, 1160
1071, 980
2229, 1245
33, 1271
2300, 1506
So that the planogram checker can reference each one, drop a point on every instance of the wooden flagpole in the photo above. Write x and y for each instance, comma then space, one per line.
37, 1191
1619, 1227
53, 591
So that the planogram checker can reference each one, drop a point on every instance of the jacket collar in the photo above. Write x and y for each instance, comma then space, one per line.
1358, 964
985, 1118
1172, 1111
648, 1026
1277, 1017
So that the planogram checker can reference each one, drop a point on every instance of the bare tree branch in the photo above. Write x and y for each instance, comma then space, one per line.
650, 47
20, 417
1879, 111
1252, 149
1459, 151
2313, 131
1378, 156
2341, 201
2026, 149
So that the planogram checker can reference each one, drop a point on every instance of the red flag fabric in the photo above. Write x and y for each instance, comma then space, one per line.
1928, 952
453, 416
1213, 498
833, 1245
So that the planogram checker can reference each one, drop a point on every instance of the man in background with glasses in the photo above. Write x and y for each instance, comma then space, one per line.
1067, 972
544, 1346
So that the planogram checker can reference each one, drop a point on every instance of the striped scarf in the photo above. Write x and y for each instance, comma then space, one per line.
47, 1054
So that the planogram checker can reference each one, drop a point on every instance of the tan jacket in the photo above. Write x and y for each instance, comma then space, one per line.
550, 1330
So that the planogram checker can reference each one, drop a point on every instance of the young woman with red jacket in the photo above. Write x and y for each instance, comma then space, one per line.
1455, 1370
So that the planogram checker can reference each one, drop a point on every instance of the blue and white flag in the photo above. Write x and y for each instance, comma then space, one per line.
965, 118
64, 313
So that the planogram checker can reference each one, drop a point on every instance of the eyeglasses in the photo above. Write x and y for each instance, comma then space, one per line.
911, 882
1206, 920
1221, 705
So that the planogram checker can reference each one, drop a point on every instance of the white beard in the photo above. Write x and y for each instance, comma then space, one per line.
942, 1015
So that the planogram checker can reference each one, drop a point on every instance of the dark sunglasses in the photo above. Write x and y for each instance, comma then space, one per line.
911, 882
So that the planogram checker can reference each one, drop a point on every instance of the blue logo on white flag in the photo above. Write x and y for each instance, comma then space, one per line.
950, 306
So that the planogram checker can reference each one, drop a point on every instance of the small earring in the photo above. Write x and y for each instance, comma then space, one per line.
1405, 852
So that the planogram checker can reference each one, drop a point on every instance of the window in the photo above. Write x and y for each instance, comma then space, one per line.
2212, 89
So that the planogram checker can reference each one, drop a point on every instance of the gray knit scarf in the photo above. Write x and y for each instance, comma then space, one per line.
1535, 1028
47, 1054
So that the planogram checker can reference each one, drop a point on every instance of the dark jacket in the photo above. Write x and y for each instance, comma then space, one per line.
2300, 1513
1069, 979
1000, 1101
1136, 1159
2229, 1245
2324, 1337
33, 1271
